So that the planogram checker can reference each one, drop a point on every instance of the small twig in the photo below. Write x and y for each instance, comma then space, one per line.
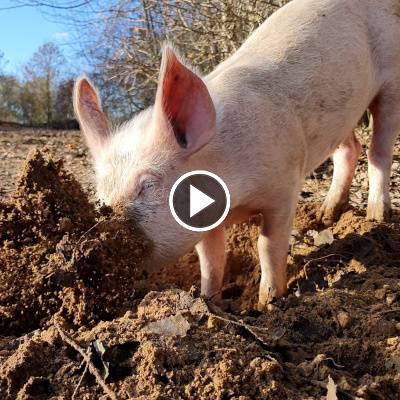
243, 325
92, 369
80, 382
316, 259
88, 231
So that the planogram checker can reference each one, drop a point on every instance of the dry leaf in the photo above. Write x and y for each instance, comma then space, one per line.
176, 325
323, 237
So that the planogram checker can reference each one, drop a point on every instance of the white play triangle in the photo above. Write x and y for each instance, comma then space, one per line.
198, 201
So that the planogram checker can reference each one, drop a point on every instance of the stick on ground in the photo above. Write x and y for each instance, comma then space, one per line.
92, 369
80, 382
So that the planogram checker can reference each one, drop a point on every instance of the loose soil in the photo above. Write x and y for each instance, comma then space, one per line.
67, 266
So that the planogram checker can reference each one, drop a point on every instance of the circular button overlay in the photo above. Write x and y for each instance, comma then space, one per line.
199, 201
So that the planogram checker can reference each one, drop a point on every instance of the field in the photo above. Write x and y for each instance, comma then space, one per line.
80, 318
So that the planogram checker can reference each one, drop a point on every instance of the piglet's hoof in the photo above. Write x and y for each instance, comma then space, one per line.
267, 299
328, 214
379, 212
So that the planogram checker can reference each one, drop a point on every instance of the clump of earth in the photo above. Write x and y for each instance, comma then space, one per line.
61, 255
72, 282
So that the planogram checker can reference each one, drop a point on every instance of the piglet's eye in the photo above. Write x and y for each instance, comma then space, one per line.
146, 187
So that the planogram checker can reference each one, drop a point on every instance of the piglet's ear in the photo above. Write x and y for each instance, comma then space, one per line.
183, 99
93, 122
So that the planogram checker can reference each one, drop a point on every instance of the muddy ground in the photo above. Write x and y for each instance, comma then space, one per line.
72, 283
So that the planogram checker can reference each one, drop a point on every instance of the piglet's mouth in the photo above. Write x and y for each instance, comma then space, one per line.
120, 228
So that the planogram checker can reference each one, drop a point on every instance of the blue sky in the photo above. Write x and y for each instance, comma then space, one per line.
23, 30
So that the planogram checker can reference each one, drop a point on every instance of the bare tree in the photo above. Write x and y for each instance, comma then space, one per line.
121, 39
9, 94
32, 101
10, 109
131, 32
63, 109
43, 69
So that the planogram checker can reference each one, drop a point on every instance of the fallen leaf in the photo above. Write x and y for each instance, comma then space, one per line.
175, 325
323, 237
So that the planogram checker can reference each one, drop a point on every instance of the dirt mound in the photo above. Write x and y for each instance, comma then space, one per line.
60, 255
71, 283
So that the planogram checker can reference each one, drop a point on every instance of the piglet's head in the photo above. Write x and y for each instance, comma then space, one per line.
137, 163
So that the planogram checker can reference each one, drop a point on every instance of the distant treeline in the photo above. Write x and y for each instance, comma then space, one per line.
41, 95
120, 41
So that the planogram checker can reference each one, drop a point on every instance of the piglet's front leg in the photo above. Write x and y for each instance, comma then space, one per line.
212, 256
273, 245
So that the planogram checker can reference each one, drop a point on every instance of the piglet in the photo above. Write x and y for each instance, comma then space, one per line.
288, 99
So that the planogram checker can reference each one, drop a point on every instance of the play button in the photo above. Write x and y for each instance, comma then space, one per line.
199, 200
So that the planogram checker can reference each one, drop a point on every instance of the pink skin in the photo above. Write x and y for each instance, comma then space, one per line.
212, 257
345, 161
276, 109
386, 115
